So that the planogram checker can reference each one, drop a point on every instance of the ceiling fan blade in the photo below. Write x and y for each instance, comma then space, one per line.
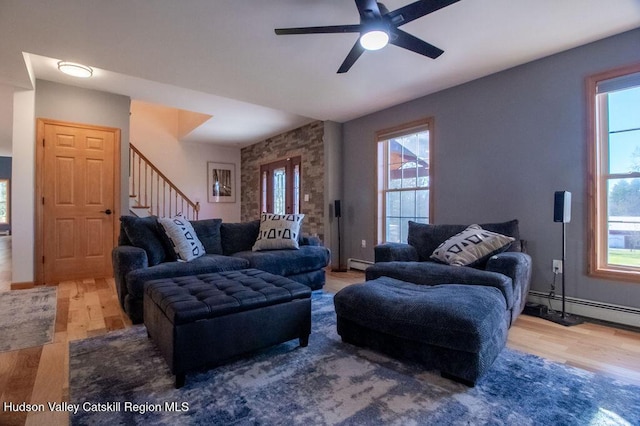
417, 10
320, 30
409, 42
351, 58
368, 9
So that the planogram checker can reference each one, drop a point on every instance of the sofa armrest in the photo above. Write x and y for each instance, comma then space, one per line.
516, 266
395, 252
126, 259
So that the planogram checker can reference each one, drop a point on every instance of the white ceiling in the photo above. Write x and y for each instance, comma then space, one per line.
222, 57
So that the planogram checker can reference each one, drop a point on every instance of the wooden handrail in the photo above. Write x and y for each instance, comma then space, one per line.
152, 200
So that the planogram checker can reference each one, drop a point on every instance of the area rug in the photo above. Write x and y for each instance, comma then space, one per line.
27, 318
120, 378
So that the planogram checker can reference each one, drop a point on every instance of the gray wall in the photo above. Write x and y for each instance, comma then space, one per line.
67, 103
503, 145
332, 188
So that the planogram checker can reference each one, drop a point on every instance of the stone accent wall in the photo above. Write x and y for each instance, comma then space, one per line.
307, 142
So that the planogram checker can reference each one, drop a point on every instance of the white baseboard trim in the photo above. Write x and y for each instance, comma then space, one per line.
358, 264
590, 309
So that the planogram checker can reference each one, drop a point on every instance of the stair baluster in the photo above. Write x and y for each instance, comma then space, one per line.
148, 197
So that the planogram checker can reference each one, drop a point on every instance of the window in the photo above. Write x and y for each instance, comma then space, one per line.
4, 201
280, 186
614, 111
404, 179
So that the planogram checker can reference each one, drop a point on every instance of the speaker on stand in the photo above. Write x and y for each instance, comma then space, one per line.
562, 214
337, 210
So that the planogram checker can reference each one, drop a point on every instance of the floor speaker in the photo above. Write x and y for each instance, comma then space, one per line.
562, 206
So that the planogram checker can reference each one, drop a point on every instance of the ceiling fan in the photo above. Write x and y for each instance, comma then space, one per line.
378, 27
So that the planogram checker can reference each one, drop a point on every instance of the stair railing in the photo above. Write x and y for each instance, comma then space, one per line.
152, 190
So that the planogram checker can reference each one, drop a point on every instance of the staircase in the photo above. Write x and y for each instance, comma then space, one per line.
152, 193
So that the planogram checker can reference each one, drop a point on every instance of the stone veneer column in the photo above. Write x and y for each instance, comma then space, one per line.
306, 141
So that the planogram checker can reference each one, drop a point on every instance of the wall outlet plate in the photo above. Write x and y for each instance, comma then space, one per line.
557, 266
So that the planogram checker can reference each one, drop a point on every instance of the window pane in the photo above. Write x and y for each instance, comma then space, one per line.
624, 222
264, 192
393, 204
623, 107
279, 191
422, 205
393, 230
404, 230
408, 205
621, 117
296, 189
624, 151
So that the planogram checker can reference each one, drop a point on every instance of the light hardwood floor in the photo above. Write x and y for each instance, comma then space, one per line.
90, 308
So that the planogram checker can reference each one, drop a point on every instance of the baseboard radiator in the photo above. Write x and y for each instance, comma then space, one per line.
589, 308
358, 264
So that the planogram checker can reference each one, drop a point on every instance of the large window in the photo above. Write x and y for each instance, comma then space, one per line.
404, 184
614, 109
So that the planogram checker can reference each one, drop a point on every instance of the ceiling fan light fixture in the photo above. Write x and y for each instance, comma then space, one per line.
75, 70
374, 39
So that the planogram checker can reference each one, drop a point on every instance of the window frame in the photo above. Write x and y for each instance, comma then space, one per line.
425, 124
598, 179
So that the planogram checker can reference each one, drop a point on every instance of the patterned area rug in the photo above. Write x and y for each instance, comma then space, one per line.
27, 318
120, 378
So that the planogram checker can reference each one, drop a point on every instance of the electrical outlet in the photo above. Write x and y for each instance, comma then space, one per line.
557, 266
364, 244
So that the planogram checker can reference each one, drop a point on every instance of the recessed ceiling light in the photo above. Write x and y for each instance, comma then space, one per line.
75, 70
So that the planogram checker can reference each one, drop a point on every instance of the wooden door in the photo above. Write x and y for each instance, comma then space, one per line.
79, 200
280, 184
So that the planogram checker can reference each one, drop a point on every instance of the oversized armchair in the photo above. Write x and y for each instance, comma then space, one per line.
507, 268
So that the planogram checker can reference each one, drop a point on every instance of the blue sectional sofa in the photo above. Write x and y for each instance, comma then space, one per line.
144, 254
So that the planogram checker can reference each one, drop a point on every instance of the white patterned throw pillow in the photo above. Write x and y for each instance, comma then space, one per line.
278, 231
183, 238
471, 246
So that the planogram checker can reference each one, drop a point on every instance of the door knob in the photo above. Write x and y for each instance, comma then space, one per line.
107, 211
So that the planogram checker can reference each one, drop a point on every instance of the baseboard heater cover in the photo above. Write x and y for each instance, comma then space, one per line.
358, 264
588, 308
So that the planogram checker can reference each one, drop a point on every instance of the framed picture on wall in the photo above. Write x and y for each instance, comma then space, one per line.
221, 179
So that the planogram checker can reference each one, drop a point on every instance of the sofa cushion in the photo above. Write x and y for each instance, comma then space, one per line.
433, 273
278, 231
427, 237
197, 297
183, 237
208, 232
238, 237
143, 232
472, 246
287, 262
205, 264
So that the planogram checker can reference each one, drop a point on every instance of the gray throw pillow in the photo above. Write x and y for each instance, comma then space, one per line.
208, 232
143, 232
470, 247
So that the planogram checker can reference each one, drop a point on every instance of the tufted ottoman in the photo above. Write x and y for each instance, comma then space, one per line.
203, 320
458, 329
